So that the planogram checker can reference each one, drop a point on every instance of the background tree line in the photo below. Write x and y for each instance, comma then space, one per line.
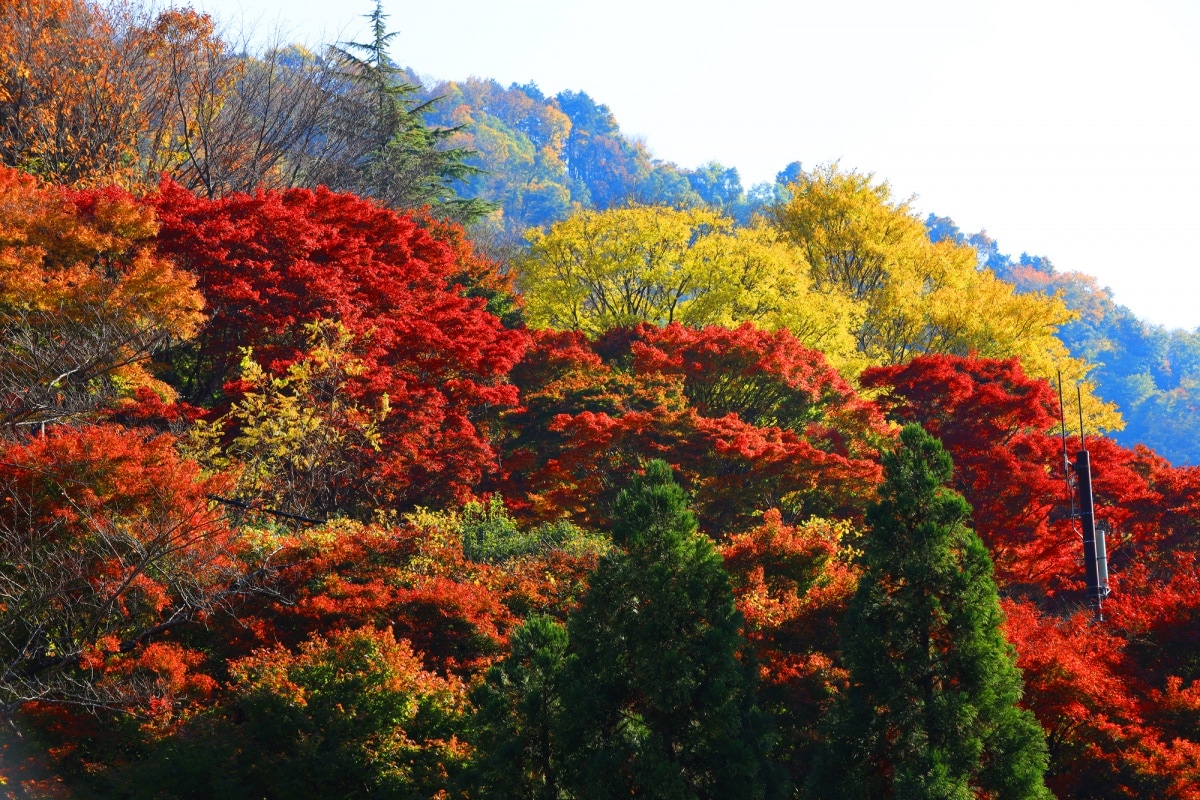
124, 94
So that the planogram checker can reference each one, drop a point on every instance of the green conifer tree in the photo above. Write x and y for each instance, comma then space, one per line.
517, 708
400, 160
658, 694
931, 710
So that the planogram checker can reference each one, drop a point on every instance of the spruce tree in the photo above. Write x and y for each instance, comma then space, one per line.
931, 709
658, 697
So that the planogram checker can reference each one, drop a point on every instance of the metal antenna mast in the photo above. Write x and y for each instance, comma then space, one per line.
1095, 556
1062, 418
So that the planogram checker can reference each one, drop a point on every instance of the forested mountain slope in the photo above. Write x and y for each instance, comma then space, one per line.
322, 476
541, 158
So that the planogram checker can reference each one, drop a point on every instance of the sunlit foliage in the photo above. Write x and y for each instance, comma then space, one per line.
84, 301
600, 270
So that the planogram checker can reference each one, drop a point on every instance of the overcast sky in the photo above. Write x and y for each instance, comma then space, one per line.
1067, 128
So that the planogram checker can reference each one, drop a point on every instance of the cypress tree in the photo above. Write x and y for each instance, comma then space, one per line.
401, 161
658, 698
931, 709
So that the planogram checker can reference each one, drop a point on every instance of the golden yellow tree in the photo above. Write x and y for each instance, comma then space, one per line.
601, 269
919, 296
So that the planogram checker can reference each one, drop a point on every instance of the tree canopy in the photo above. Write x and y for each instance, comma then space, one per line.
600, 270
920, 296
931, 707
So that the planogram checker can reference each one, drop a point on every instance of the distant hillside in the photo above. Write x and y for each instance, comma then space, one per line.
543, 157
1151, 372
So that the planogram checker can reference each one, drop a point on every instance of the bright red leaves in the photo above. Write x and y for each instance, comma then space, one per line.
752, 420
268, 263
108, 543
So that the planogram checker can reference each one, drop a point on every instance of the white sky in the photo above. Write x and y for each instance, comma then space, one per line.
1067, 128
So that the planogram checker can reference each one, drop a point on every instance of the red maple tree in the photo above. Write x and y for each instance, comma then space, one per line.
270, 262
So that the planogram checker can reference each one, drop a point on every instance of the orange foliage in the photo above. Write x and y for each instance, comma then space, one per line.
751, 420
792, 584
354, 708
68, 93
84, 301
26, 772
110, 544
95, 93
415, 581
1098, 716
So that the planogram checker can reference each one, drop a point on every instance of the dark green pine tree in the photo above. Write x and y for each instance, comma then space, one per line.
658, 695
931, 709
396, 157
517, 709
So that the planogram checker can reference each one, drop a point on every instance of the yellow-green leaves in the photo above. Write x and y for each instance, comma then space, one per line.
300, 439
601, 269
919, 296
598, 270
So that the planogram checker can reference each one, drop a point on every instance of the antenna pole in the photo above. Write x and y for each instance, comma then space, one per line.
1079, 402
1062, 417
1087, 518
1097, 589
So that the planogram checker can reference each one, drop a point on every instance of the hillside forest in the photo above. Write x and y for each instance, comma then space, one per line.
369, 435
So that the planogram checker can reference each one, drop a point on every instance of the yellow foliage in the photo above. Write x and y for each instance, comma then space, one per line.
601, 269
918, 296
845, 267
301, 444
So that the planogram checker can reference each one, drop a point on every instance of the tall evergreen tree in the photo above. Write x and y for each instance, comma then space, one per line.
517, 708
658, 697
931, 710
397, 158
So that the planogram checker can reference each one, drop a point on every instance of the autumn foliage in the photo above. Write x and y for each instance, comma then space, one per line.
291, 499
1101, 692
68, 96
127, 547
779, 428
84, 300
272, 262
792, 583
